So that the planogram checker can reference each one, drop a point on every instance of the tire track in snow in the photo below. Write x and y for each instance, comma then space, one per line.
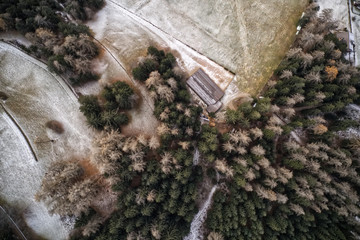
15, 126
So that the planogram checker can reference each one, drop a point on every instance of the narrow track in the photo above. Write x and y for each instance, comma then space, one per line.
32, 149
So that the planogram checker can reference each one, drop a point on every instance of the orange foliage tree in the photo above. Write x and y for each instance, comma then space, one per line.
332, 72
320, 129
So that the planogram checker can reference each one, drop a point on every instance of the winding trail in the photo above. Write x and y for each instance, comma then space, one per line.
115, 58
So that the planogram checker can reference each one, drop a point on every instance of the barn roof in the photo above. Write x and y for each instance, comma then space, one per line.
205, 87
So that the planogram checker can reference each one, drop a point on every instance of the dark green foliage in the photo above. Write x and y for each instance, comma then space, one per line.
83, 78
157, 61
158, 54
248, 111
78, 10
173, 206
114, 119
84, 218
143, 70
251, 214
167, 63
119, 93
89, 105
157, 197
236, 216
268, 134
51, 60
272, 184
293, 164
72, 29
341, 45
118, 97
343, 124
21, 14
209, 142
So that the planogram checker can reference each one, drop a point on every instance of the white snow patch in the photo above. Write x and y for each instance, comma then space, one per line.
196, 157
199, 219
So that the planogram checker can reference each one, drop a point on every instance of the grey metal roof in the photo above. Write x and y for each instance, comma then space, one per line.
207, 90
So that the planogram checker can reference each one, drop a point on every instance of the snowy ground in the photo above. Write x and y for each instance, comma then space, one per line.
35, 97
248, 38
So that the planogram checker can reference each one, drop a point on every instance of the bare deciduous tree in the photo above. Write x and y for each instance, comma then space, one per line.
313, 77
165, 93
286, 74
258, 150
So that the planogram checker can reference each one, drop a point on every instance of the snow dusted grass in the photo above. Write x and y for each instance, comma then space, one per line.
35, 97
20, 177
340, 11
127, 37
247, 37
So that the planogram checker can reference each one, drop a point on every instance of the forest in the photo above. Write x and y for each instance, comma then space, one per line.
282, 170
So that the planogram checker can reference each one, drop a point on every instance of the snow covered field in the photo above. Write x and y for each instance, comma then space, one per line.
35, 97
248, 38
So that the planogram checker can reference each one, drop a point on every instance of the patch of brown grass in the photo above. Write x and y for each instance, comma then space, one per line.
3, 96
223, 128
90, 170
56, 126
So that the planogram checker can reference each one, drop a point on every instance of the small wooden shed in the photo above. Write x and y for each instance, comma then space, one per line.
206, 89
